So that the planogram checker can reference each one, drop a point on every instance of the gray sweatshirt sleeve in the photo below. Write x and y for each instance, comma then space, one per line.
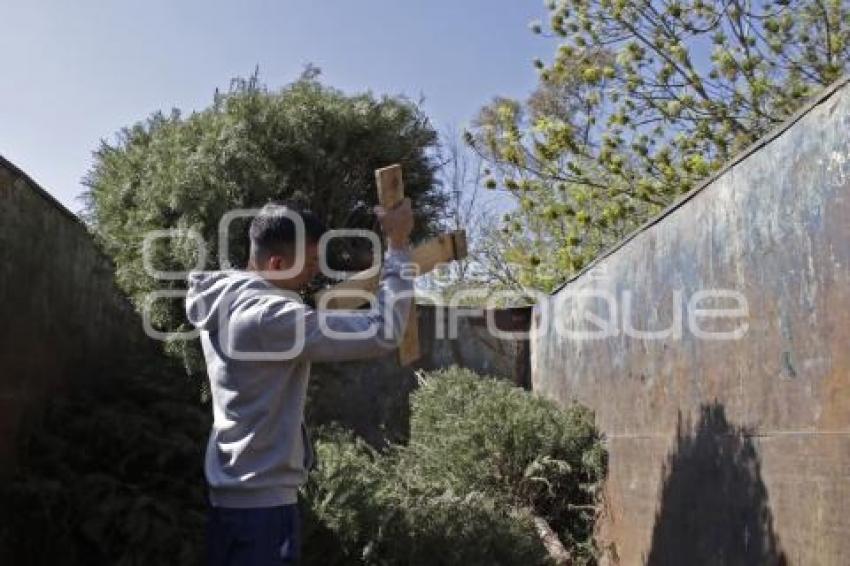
344, 334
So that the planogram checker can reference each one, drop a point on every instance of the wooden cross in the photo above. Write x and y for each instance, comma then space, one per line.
426, 256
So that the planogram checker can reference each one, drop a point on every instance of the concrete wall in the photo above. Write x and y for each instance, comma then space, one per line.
735, 451
61, 317
371, 397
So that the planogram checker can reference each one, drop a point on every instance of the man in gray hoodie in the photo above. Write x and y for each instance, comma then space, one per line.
259, 340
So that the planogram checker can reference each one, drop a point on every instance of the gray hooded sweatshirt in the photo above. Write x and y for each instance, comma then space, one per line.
259, 342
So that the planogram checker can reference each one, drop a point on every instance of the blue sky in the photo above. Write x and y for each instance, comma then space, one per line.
76, 72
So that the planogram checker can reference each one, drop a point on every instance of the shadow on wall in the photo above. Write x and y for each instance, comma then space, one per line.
714, 505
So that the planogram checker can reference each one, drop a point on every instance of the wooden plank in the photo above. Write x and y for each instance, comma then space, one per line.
425, 257
441, 249
390, 186
390, 194
408, 349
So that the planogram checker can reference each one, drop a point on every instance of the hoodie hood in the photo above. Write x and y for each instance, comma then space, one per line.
210, 290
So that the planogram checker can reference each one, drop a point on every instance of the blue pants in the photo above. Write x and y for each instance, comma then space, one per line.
265, 536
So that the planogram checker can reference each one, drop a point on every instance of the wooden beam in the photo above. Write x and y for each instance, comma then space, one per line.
442, 249
390, 186
424, 257
390, 194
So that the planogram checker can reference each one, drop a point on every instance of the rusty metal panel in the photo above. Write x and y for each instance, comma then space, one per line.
63, 318
731, 450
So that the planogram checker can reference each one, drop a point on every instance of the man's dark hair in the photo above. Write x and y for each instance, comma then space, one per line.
273, 230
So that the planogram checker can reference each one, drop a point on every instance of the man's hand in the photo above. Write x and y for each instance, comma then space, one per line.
396, 224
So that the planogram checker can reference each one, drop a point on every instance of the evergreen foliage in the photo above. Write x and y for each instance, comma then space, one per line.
110, 474
306, 143
484, 459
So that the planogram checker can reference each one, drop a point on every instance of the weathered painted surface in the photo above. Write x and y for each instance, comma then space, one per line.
62, 316
724, 451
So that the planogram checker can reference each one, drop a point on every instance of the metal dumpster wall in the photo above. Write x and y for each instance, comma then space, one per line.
61, 316
724, 451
